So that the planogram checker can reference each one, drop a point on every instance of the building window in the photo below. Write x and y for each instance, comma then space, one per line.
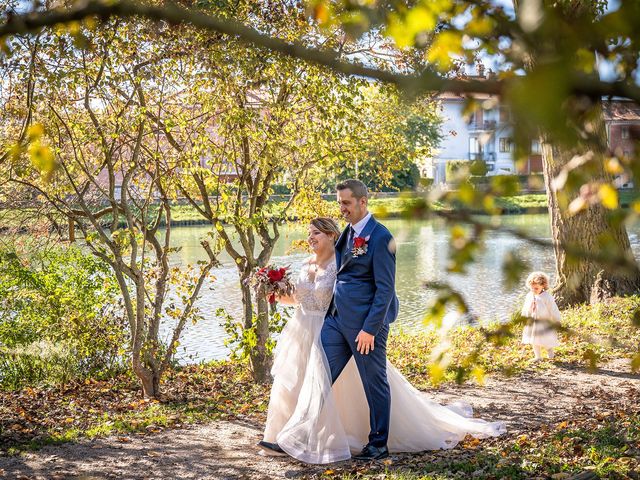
505, 145
624, 133
535, 147
627, 153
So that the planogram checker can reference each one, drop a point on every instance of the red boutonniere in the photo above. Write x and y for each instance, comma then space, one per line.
360, 246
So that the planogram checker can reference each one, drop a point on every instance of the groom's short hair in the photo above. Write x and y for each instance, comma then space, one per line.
358, 189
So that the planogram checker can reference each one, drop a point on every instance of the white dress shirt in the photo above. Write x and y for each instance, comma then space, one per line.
358, 227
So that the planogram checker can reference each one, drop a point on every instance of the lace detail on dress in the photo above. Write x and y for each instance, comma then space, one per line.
315, 295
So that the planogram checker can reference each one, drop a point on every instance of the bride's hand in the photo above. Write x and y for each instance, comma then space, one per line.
286, 300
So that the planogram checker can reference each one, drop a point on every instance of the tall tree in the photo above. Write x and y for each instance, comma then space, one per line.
273, 121
99, 162
580, 221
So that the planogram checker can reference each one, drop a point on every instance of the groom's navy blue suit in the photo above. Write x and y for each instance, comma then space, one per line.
364, 298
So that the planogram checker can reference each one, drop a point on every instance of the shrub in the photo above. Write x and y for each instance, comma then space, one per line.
472, 167
58, 306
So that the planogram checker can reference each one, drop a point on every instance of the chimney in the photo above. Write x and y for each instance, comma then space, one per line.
481, 70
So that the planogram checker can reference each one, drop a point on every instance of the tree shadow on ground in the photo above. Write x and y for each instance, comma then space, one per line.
597, 371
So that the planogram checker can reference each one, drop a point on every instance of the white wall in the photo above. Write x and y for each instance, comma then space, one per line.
455, 142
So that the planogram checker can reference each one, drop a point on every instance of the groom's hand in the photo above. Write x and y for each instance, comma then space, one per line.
364, 341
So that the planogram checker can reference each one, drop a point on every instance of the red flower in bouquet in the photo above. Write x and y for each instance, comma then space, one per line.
272, 282
276, 275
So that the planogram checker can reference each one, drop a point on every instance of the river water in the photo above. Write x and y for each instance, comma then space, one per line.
422, 255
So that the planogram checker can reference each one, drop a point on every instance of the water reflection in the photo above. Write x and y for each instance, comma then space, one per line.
422, 256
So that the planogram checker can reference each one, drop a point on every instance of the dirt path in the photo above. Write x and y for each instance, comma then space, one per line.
226, 450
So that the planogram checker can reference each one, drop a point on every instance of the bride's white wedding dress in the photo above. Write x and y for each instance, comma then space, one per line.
317, 423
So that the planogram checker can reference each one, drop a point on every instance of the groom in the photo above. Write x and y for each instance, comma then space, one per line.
364, 303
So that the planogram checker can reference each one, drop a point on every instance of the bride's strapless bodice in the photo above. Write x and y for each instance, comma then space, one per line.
315, 295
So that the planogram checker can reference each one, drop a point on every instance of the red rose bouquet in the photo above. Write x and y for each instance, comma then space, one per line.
273, 281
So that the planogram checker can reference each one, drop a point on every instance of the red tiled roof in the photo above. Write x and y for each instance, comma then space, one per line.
463, 96
621, 111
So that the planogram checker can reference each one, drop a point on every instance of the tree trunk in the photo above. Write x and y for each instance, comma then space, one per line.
150, 381
259, 358
581, 280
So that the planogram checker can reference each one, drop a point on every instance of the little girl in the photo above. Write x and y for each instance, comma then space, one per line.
540, 306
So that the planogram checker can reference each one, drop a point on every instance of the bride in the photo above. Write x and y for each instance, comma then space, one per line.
317, 423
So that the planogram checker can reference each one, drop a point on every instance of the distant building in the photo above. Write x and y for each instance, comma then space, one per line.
622, 118
487, 136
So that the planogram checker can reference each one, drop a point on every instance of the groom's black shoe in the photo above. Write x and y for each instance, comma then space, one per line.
271, 446
370, 452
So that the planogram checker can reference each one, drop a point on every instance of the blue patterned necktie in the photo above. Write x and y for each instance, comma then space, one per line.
349, 242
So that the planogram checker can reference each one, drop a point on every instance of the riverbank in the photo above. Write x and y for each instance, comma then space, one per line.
401, 205
393, 205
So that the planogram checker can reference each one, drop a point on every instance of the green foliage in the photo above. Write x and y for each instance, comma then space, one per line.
59, 316
459, 170
242, 340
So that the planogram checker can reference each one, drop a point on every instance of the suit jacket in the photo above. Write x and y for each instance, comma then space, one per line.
364, 294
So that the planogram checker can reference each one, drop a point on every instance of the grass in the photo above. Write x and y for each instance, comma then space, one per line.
34, 417
606, 446
594, 334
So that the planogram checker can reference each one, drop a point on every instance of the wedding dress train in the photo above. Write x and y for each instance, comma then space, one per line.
317, 423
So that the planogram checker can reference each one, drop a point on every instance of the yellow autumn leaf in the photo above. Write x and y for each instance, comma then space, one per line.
635, 362
73, 27
480, 26
608, 196
446, 45
380, 211
42, 157
35, 131
585, 60
613, 166
420, 19
466, 193
321, 12
436, 373
404, 30
90, 22
396, 30
15, 151
489, 203
478, 374
636, 206
457, 232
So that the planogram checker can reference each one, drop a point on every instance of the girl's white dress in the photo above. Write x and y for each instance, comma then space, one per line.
544, 312
317, 423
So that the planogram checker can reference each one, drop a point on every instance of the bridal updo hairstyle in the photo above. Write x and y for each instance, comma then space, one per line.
328, 226
538, 278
